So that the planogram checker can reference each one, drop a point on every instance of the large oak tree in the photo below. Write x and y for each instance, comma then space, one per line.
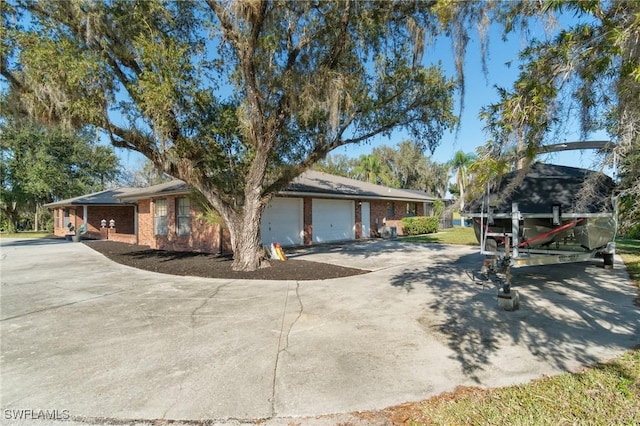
236, 98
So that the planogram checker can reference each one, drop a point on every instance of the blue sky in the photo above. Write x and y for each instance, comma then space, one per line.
480, 91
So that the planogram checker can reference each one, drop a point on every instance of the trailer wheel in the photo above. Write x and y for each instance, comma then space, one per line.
608, 260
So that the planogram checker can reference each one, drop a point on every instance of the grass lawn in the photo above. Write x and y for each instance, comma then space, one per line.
455, 235
629, 250
606, 394
24, 234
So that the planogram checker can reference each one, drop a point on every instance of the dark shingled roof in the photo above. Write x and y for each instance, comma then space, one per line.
314, 182
544, 185
310, 182
167, 188
102, 198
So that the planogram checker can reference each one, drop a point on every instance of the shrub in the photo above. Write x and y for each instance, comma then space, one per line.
418, 225
633, 232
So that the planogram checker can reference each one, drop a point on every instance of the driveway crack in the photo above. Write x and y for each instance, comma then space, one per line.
205, 301
283, 342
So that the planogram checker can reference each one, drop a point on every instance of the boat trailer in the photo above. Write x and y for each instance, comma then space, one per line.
504, 249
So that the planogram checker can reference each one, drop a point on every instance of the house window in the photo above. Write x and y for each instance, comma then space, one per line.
183, 218
390, 210
160, 217
66, 219
412, 209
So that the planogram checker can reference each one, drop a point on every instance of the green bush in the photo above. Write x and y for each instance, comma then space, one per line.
419, 225
633, 232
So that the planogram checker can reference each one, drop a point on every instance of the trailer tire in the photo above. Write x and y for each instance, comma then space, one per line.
608, 260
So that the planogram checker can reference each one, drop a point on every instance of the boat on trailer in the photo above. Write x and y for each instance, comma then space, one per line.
552, 207
545, 215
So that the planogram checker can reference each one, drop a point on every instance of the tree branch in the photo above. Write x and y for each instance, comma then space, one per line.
13, 81
231, 32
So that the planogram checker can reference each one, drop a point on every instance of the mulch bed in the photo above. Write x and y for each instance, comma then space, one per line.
214, 266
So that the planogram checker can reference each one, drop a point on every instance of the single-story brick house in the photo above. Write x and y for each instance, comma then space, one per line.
315, 208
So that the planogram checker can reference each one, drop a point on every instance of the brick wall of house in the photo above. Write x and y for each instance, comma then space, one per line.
203, 237
379, 212
358, 219
123, 238
58, 220
75, 219
307, 222
145, 224
122, 215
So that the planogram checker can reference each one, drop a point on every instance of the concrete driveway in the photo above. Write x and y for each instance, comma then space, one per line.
98, 341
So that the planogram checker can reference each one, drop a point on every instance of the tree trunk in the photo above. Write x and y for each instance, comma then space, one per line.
35, 222
520, 153
244, 229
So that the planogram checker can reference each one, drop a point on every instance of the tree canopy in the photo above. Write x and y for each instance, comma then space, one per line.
460, 165
591, 70
40, 165
234, 97
404, 166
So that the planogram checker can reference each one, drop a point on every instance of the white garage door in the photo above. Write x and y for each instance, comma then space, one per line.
333, 220
282, 222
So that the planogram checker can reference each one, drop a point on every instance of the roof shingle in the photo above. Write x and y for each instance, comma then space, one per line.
310, 182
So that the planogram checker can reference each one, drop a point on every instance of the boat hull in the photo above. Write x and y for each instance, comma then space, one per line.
595, 232
589, 233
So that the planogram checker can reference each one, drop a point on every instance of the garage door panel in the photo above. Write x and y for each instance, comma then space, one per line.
282, 222
333, 220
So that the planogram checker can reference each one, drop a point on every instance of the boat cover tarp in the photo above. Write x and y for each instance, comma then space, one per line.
576, 190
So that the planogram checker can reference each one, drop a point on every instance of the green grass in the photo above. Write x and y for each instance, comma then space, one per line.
629, 250
455, 235
24, 234
605, 394
627, 245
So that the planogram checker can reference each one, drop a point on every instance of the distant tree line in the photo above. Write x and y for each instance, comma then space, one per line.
405, 166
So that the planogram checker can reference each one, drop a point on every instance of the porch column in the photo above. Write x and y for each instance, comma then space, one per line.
85, 218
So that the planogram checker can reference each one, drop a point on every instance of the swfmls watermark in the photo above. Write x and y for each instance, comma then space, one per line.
35, 414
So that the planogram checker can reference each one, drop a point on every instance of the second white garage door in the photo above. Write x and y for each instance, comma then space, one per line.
282, 222
333, 220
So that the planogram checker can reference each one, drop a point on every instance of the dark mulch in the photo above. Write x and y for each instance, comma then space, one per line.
213, 266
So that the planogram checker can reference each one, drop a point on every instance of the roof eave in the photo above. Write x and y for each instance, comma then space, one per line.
354, 196
79, 203
149, 195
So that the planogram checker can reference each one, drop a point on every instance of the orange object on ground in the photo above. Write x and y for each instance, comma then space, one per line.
280, 252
